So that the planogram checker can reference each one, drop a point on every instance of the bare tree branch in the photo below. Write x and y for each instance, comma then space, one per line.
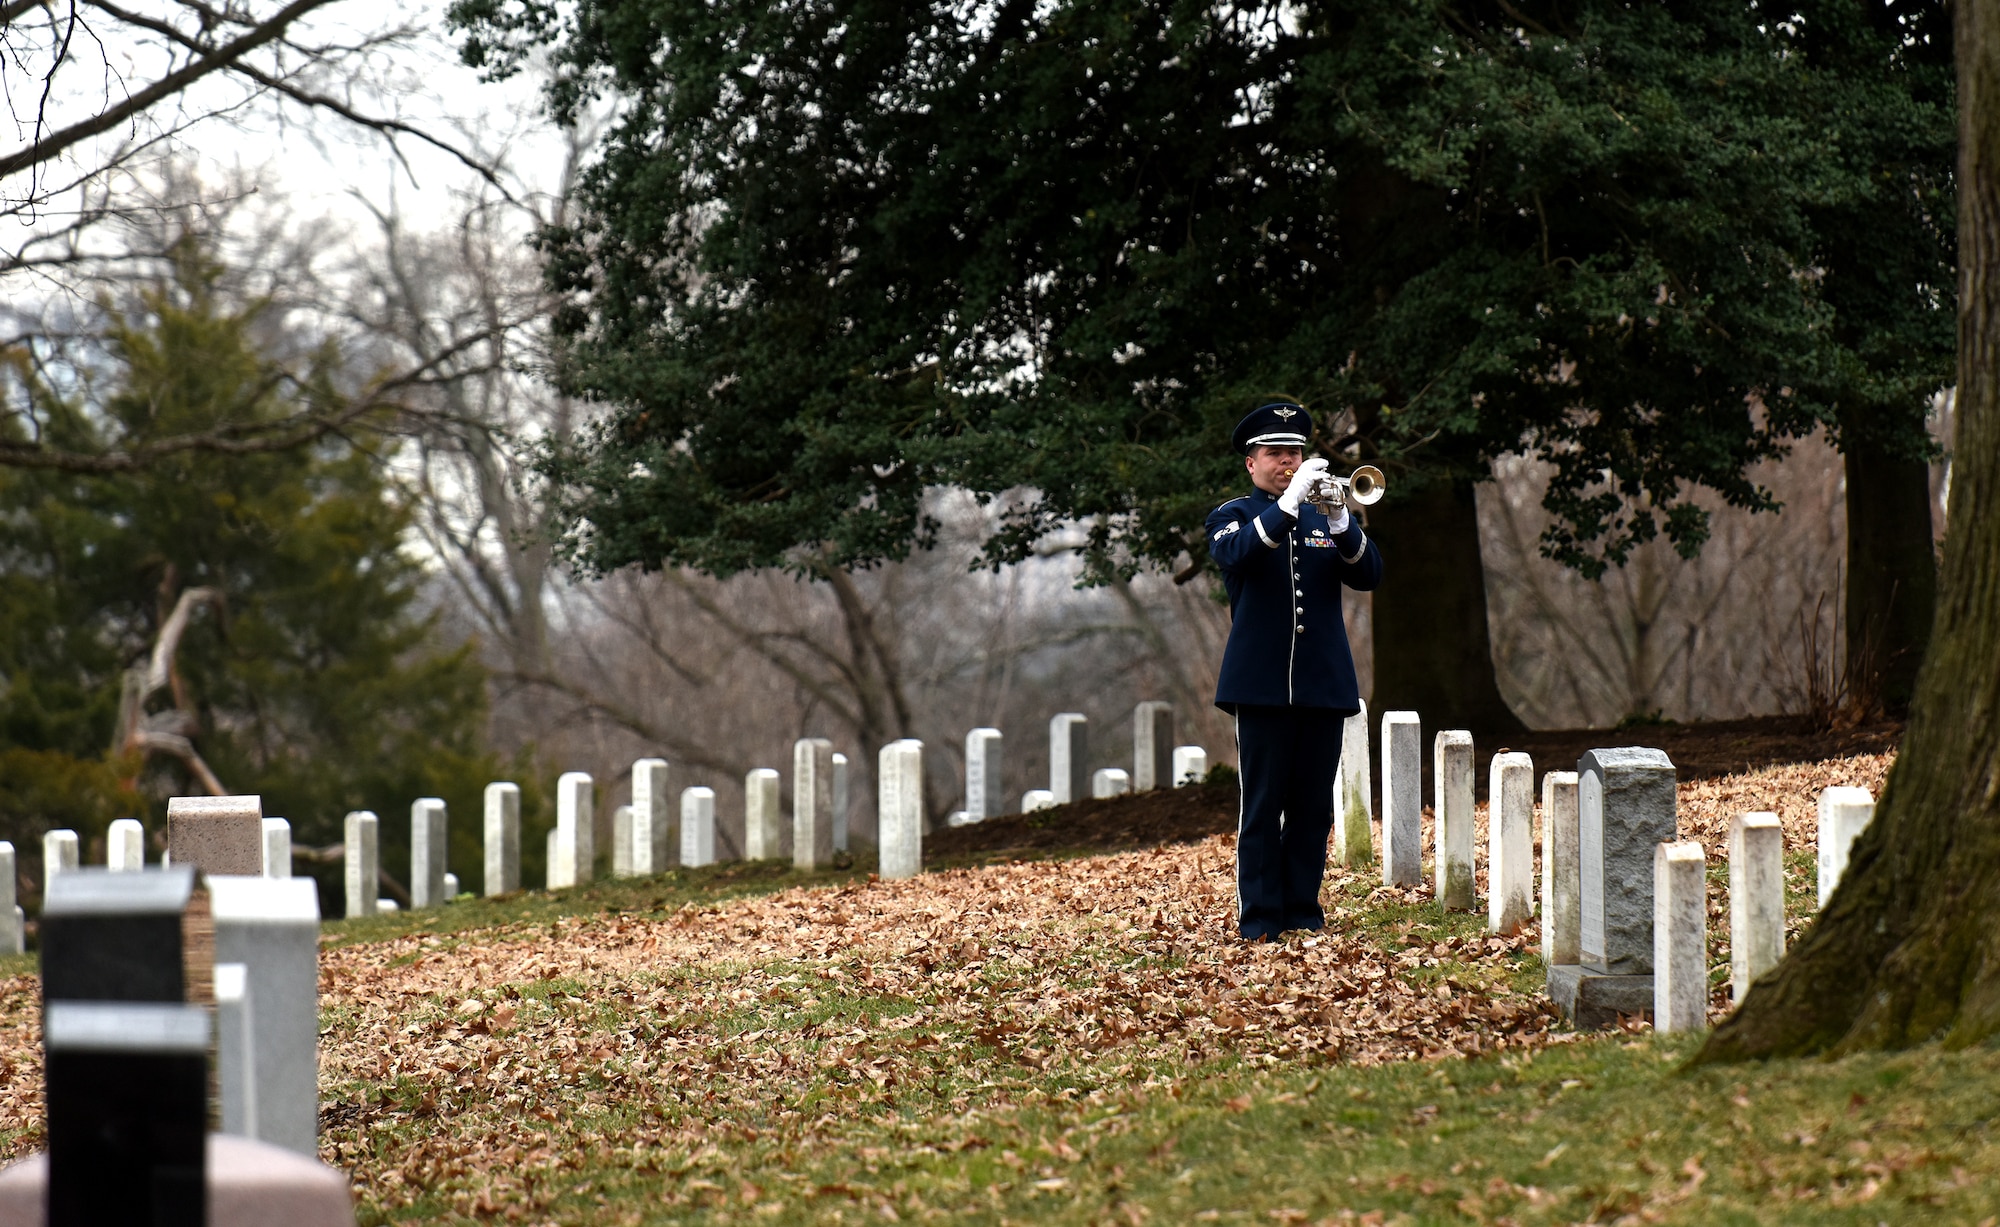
236, 438
391, 128
222, 57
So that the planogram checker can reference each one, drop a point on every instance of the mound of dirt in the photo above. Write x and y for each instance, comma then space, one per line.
1136, 820
1182, 815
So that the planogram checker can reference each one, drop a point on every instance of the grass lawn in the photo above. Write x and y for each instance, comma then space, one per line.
856, 1087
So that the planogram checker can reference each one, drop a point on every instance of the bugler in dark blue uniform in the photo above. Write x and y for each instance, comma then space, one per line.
1287, 676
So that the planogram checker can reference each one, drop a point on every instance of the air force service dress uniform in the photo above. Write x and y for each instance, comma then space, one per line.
1287, 677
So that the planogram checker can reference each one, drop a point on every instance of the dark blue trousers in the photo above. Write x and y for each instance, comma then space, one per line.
1287, 757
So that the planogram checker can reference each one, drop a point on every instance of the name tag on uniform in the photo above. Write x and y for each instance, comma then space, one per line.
1317, 539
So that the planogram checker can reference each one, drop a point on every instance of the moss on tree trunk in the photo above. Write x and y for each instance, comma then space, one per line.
1908, 949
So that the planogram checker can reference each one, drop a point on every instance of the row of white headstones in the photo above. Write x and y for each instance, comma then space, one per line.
124, 851
1680, 910
642, 830
641, 833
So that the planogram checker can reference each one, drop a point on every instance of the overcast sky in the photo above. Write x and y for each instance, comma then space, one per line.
316, 159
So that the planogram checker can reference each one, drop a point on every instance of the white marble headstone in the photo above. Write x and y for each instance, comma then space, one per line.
900, 820
1453, 813
1069, 757
697, 826
427, 852
503, 838
1152, 745
983, 796
575, 861
360, 854
1402, 799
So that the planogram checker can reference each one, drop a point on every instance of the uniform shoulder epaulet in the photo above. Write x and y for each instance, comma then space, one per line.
1241, 498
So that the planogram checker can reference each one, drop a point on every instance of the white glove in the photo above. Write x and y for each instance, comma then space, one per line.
1302, 481
1337, 522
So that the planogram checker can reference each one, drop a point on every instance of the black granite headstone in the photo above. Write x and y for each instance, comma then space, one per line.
115, 936
127, 1093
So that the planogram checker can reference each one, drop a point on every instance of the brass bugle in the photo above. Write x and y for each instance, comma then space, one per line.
1363, 488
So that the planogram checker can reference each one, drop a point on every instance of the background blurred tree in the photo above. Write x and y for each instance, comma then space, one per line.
1886, 256
312, 678
834, 254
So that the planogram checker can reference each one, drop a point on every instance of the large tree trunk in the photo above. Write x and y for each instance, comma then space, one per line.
1891, 574
1433, 655
1908, 948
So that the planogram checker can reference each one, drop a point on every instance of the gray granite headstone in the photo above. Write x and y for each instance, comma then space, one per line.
217, 834
250, 1184
1625, 807
109, 936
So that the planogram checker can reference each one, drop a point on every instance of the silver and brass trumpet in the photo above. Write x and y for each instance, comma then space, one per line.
1362, 489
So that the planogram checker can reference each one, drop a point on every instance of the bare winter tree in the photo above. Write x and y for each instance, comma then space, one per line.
1712, 637
95, 86
722, 676
103, 96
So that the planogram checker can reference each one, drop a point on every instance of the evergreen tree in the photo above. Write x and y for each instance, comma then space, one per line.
838, 250
313, 678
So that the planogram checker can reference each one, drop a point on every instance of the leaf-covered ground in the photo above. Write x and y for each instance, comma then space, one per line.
1079, 1041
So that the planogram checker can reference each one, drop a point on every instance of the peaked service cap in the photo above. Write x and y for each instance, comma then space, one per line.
1281, 423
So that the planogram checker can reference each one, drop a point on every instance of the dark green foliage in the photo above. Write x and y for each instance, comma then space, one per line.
835, 251
317, 684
